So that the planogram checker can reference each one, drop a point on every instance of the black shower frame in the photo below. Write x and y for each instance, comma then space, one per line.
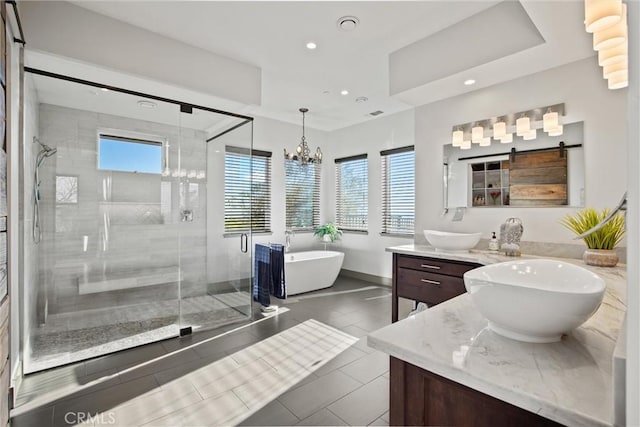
185, 107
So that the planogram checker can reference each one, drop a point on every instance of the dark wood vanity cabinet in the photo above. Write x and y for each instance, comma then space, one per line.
428, 280
422, 398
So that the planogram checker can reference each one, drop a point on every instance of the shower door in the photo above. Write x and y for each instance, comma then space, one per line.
122, 239
216, 266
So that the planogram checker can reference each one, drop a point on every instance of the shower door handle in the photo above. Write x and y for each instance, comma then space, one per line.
244, 240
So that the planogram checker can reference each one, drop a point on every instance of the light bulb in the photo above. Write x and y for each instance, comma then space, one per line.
608, 70
523, 125
466, 145
550, 121
618, 80
556, 131
601, 14
485, 142
613, 55
456, 138
499, 129
477, 133
507, 138
612, 36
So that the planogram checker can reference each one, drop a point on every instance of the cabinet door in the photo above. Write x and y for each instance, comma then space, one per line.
419, 397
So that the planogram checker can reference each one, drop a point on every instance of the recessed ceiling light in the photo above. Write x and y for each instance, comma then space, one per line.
348, 23
147, 104
104, 89
311, 45
469, 82
344, 92
361, 99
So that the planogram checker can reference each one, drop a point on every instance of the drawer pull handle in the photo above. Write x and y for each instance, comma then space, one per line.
433, 267
433, 282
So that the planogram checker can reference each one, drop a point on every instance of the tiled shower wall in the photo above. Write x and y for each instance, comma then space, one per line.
123, 224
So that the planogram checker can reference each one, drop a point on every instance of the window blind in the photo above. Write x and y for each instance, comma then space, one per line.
398, 190
247, 190
352, 193
302, 195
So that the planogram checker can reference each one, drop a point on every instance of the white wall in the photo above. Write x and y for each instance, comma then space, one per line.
580, 86
268, 135
365, 252
633, 219
74, 32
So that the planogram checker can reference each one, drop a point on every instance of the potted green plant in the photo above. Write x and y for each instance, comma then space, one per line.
328, 232
600, 243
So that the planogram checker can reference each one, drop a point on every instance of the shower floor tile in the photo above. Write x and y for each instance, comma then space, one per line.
80, 335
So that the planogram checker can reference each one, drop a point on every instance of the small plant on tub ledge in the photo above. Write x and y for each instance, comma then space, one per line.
600, 243
328, 233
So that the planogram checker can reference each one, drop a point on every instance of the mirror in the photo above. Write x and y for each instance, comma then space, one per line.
545, 172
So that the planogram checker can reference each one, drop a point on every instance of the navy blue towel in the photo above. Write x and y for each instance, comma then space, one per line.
278, 289
262, 276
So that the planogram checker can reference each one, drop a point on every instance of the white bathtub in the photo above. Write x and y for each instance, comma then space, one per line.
311, 270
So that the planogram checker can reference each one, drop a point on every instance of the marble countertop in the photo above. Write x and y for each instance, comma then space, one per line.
570, 382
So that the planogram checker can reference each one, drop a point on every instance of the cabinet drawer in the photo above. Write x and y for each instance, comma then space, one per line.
434, 265
428, 287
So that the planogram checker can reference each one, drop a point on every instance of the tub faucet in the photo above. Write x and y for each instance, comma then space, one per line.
287, 239
622, 206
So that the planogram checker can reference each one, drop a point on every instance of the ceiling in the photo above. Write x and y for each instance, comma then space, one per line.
272, 36
89, 98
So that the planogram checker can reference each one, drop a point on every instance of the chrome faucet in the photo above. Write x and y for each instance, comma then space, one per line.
622, 206
287, 239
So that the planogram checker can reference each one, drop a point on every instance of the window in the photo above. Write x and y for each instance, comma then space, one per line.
398, 191
352, 193
247, 190
302, 195
129, 154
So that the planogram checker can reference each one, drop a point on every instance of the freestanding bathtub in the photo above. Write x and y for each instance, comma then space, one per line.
311, 270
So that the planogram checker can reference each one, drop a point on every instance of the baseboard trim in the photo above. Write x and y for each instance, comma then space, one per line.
378, 280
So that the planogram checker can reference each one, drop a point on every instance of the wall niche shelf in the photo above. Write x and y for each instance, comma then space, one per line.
490, 183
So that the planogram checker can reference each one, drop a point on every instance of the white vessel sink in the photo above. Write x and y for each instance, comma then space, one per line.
451, 242
534, 300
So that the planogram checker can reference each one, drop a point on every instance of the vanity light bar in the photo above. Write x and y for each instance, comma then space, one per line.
523, 123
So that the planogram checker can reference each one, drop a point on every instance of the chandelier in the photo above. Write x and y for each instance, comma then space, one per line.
303, 153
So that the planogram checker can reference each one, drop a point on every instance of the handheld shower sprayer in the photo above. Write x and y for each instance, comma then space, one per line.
45, 151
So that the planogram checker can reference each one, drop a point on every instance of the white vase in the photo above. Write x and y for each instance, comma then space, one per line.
326, 238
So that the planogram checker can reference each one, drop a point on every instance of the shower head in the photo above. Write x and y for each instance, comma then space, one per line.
45, 148
48, 151
45, 152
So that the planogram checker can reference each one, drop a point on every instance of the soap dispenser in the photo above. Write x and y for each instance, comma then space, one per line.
493, 243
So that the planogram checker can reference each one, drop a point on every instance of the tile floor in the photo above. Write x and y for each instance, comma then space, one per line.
157, 384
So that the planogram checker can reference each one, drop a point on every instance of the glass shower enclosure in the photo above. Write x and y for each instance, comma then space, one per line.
122, 220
